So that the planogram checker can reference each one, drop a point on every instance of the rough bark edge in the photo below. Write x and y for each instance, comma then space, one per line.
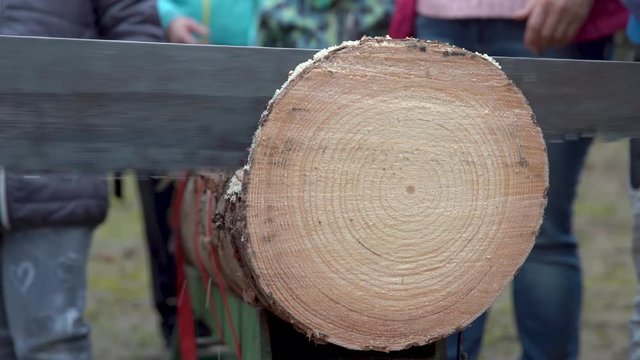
235, 212
198, 251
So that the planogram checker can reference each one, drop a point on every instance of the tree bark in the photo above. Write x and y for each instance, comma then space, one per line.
393, 189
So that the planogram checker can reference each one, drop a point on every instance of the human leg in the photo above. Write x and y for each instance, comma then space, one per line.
6, 343
44, 287
634, 197
155, 205
470, 340
548, 287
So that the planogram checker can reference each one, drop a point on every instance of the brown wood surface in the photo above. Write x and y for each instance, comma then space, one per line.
392, 191
202, 200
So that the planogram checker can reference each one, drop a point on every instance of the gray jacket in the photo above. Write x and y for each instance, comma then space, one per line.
28, 201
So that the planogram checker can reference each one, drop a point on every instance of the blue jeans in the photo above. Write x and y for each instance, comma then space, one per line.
547, 291
43, 294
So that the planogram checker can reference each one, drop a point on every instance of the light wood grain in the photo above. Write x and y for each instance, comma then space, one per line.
392, 191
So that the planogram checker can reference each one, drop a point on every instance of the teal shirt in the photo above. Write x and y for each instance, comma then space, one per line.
230, 22
633, 30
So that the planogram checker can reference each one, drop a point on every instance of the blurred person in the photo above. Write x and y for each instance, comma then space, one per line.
633, 26
48, 219
219, 22
319, 24
633, 33
547, 290
156, 195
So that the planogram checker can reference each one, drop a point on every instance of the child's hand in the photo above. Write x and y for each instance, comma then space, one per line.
183, 29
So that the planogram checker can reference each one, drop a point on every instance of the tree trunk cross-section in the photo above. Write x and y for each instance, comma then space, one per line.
392, 191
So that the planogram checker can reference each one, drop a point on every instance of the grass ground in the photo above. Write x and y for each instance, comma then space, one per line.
124, 322
119, 299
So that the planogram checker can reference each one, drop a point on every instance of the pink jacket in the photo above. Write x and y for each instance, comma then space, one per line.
606, 17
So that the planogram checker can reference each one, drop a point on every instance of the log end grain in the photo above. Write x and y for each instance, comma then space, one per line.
393, 190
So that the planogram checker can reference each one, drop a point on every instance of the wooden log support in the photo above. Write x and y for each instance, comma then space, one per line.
393, 189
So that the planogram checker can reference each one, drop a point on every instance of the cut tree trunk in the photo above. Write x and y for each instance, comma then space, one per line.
392, 191
202, 200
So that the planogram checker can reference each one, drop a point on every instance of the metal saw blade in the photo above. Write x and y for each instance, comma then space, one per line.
95, 106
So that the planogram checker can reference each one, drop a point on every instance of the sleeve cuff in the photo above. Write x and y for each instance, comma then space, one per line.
167, 11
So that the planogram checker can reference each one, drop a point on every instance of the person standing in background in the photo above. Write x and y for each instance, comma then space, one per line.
633, 33
633, 26
219, 22
156, 195
48, 219
547, 290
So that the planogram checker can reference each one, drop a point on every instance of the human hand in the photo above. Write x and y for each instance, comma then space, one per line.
552, 23
182, 30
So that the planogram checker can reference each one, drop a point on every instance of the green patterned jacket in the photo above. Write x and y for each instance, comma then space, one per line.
321, 23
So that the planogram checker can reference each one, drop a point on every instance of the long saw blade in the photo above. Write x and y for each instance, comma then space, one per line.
96, 106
